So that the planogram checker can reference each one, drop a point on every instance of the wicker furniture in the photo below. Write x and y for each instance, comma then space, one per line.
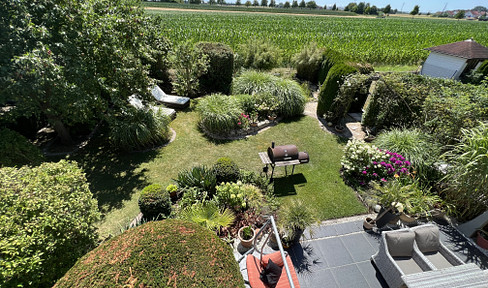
466, 275
399, 256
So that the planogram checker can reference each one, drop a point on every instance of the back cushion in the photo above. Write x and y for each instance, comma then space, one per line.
275, 257
427, 238
400, 243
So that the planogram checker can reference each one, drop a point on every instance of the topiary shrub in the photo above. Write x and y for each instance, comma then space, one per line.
138, 129
226, 170
218, 77
330, 87
47, 222
154, 202
308, 62
16, 150
259, 54
169, 253
289, 95
330, 58
219, 113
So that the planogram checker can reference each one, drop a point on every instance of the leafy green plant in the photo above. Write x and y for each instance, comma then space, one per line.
189, 63
158, 254
226, 170
47, 222
467, 175
16, 150
247, 233
154, 202
308, 62
139, 129
330, 87
295, 217
199, 177
192, 196
238, 196
219, 113
208, 215
171, 188
287, 93
258, 54
218, 77
417, 147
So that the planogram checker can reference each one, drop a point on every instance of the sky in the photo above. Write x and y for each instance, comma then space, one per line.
425, 5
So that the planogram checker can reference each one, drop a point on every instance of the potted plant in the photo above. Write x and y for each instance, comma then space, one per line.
172, 189
293, 219
246, 235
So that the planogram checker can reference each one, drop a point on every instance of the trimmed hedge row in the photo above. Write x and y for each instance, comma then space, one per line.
16, 150
168, 253
218, 77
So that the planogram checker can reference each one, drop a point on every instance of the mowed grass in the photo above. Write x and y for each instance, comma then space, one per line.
317, 183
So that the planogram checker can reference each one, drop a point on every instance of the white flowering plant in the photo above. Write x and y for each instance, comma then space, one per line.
237, 196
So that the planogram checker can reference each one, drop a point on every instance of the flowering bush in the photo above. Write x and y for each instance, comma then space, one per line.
243, 121
363, 163
238, 196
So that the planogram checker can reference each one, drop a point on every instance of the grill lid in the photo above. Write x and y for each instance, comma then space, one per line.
283, 153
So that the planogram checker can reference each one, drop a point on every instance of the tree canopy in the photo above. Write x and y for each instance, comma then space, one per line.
75, 61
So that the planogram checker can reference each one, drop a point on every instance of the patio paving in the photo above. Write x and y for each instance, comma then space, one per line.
338, 254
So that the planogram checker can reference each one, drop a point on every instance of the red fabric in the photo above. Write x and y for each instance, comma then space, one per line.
275, 257
254, 268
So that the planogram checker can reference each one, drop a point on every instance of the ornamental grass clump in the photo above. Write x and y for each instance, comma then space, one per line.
363, 163
218, 113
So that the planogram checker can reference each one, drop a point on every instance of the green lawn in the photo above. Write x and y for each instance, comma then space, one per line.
117, 179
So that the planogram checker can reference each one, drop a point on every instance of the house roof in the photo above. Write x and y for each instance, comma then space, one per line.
467, 49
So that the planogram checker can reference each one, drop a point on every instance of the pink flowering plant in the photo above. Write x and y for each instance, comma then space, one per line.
243, 121
363, 163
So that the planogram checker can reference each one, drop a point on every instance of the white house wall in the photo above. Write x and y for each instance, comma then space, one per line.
443, 66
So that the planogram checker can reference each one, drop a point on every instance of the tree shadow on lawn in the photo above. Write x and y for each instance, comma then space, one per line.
285, 186
113, 175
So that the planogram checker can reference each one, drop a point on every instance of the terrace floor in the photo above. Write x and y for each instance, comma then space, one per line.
338, 254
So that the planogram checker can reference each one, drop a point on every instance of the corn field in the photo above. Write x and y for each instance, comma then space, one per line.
374, 40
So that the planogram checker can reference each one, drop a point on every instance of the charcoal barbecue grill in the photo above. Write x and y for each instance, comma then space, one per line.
284, 155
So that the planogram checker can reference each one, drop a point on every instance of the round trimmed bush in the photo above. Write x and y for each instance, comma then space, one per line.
154, 202
47, 222
218, 77
16, 150
226, 170
169, 253
330, 88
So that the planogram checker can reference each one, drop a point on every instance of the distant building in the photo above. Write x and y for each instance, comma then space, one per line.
454, 60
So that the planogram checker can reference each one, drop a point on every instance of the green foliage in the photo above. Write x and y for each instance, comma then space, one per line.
247, 233
218, 113
158, 254
189, 63
259, 54
454, 107
192, 196
47, 217
226, 170
154, 202
330, 87
417, 147
238, 196
138, 129
208, 215
71, 62
218, 77
483, 69
467, 175
199, 177
295, 216
16, 150
329, 59
308, 62
288, 94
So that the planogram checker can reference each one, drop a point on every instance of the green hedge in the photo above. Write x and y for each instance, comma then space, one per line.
330, 87
154, 202
226, 170
16, 150
218, 77
168, 253
219, 113
330, 58
46, 223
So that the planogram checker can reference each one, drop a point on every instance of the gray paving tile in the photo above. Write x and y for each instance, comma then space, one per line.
349, 227
372, 276
335, 253
308, 257
320, 279
358, 246
349, 276
321, 232
373, 239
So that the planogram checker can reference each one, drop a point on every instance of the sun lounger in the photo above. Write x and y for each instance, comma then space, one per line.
177, 102
137, 103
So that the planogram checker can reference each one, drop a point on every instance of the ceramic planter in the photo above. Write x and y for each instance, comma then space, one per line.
481, 241
246, 243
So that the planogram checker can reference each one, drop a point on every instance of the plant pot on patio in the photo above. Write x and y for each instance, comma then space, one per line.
482, 239
385, 217
246, 234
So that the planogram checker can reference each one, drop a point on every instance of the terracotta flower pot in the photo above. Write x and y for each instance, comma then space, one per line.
481, 241
246, 243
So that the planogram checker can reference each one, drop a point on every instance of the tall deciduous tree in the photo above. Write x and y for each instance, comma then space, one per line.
415, 10
460, 14
311, 5
264, 3
272, 3
73, 61
294, 4
287, 4
334, 7
302, 4
387, 9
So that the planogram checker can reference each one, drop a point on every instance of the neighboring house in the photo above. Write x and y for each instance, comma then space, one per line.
454, 60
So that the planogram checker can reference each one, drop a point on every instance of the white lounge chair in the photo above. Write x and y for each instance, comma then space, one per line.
136, 102
170, 100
